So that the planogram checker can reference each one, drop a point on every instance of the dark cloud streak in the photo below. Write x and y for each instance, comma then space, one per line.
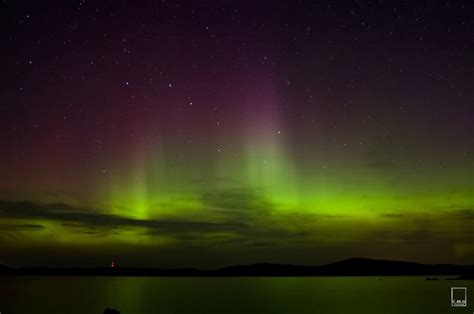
64, 213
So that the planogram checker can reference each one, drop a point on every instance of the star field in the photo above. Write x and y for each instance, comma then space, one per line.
176, 133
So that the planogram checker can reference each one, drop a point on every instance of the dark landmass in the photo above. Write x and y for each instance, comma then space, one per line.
349, 267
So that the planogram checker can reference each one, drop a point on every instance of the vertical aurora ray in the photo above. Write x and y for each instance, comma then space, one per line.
267, 164
237, 131
168, 177
137, 179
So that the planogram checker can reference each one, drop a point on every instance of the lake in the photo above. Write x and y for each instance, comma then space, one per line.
136, 295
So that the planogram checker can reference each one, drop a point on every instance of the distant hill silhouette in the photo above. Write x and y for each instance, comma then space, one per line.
348, 267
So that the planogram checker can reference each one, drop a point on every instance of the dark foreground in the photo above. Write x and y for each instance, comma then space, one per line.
146, 295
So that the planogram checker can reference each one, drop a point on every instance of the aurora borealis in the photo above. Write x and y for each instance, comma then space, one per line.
203, 134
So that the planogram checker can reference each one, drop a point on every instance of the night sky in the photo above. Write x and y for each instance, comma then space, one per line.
205, 134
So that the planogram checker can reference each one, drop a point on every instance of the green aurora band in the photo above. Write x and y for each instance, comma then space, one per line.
167, 134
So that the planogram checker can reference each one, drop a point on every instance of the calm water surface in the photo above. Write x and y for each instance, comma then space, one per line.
136, 295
